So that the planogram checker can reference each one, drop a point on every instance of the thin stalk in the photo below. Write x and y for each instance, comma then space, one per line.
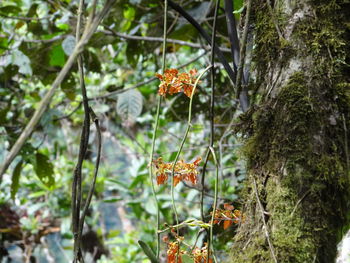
182, 144
216, 191
156, 128
212, 102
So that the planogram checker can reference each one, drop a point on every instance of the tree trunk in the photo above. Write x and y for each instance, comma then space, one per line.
297, 190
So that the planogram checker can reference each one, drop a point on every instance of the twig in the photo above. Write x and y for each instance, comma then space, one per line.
205, 35
200, 231
158, 39
69, 114
299, 201
216, 192
48, 96
25, 18
202, 183
55, 38
264, 222
243, 94
113, 93
189, 222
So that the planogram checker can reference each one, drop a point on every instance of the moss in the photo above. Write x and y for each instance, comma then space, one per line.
289, 237
293, 134
268, 44
295, 142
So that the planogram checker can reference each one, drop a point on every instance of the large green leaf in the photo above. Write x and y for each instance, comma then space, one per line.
68, 45
148, 251
15, 179
57, 56
10, 9
44, 169
129, 105
22, 61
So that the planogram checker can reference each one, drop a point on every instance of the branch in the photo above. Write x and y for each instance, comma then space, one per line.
48, 96
205, 35
113, 93
25, 18
232, 32
55, 38
158, 39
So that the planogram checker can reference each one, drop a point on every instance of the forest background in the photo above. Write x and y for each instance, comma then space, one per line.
259, 129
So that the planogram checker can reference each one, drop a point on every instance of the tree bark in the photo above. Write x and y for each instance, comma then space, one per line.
296, 140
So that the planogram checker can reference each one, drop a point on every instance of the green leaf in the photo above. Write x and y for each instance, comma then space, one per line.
3, 114
44, 169
37, 194
32, 10
186, 259
22, 61
68, 87
151, 207
148, 251
68, 45
239, 10
133, 52
15, 179
57, 56
129, 14
129, 105
112, 199
10, 9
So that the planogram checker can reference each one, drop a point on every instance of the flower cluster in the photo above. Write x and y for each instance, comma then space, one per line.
182, 171
200, 255
174, 82
174, 253
228, 215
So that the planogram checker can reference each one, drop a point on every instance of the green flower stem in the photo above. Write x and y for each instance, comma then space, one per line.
182, 144
155, 131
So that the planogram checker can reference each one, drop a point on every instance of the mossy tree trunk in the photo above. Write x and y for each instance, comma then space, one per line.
297, 190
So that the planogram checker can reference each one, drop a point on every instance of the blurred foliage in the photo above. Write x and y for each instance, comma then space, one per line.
36, 38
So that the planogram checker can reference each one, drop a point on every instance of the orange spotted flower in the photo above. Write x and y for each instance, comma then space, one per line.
200, 255
174, 252
182, 171
228, 215
172, 82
